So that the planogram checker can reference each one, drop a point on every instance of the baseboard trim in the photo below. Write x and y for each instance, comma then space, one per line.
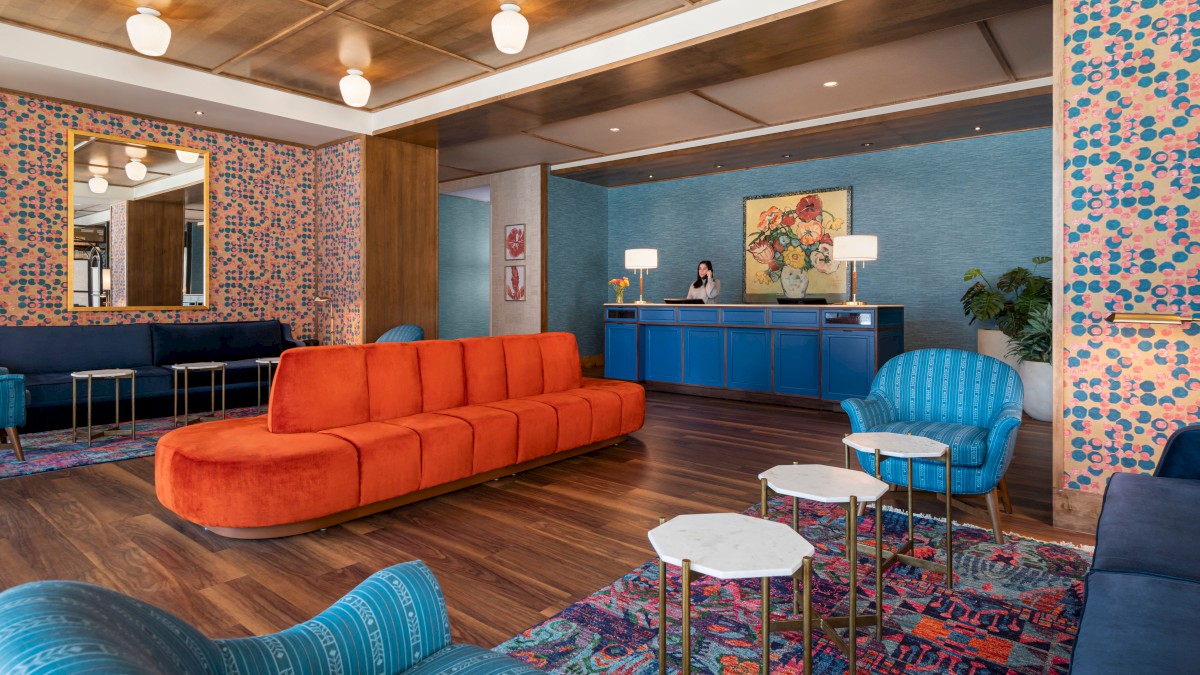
289, 529
743, 395
1075, 510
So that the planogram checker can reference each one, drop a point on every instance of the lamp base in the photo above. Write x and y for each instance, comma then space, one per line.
641, 302
852, 303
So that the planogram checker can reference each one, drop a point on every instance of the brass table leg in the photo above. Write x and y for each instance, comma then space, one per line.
662, 612
133, 406
949, 527
766, 625
74, 410
258, 386
808, 615
687, 616
175, 397
763, 499
852, 551
222, 392
89, 410
186, 416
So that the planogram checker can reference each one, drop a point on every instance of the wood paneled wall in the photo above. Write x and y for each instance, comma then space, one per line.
154, 250
399, 236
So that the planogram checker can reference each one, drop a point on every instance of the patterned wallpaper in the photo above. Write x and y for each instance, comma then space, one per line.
263, 245
339, 231
118, 219
1132, 231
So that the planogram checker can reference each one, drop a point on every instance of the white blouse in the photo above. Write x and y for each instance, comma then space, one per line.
708, 292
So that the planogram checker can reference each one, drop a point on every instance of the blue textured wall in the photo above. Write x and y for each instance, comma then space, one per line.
578, 238
937, 209
463, 266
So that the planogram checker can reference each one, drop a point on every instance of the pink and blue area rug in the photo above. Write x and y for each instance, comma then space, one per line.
1014, 609
53, 450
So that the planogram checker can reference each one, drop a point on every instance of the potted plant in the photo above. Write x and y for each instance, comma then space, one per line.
1017, 295
1032, 348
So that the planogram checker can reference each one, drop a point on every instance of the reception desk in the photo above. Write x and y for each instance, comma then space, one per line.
805, 355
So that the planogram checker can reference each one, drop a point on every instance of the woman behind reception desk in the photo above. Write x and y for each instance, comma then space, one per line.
705, 287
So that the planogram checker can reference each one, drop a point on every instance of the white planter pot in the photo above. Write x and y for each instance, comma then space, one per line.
996, 344
1038, 379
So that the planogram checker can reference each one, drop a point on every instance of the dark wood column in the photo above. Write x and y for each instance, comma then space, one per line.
154, 250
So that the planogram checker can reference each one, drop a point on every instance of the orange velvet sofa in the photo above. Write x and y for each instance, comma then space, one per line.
355, 430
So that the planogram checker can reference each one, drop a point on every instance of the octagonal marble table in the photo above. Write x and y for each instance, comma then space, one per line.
732, 546
909, 447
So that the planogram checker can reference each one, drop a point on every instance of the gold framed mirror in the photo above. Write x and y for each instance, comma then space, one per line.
137, 224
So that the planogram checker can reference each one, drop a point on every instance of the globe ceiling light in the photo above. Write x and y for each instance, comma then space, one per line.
187, 156
135, 169
510, 29
98, 185
356, 90
148, 34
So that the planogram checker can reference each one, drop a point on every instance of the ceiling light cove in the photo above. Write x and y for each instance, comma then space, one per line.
356, 90
510, 29
148, 34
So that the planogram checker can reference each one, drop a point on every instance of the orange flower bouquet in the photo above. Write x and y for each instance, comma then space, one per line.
619, 285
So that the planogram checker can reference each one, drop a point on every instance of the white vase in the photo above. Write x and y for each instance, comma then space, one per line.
795, 282
996, 344
1038, 380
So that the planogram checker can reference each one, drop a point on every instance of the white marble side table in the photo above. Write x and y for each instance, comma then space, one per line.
116, 375
831, 485
270, 362
211, 367
908, 447
732, 546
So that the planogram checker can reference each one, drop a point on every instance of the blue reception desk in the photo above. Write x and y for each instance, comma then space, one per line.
794, 354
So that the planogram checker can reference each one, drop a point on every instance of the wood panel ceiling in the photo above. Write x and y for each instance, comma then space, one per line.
406, 48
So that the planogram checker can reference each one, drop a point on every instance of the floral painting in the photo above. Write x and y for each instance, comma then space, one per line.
789, 244
514, 283
514, 242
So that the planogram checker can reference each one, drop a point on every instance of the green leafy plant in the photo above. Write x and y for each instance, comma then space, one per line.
1036, 339
1012, 301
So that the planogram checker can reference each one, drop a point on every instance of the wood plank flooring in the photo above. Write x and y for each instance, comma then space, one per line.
508, 553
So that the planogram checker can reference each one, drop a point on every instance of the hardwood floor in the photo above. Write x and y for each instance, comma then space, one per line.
508, 553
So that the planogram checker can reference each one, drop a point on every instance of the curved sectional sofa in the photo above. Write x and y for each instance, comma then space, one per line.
355, 430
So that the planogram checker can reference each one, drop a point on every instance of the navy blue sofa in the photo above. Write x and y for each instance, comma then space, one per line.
47, 355
1144, 585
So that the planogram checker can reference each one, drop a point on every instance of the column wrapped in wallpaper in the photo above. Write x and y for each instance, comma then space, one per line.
339, 235
1131, 118
118, 260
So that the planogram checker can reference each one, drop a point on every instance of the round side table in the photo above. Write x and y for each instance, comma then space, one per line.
211, 367
271, 362
116, 375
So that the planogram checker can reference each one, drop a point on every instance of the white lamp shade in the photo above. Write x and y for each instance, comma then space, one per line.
135, 169
148, 34
98, 184
187, 156
641, 258
510, 29
106, 280
856, 247
356, 90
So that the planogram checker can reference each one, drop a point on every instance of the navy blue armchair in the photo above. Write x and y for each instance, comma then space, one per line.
12, 411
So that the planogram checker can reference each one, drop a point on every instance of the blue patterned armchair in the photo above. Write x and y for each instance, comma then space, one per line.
403, 333
968, 401
12, 411
393, 622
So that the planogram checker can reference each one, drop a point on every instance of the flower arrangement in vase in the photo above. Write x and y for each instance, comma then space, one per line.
789, 243
619, 285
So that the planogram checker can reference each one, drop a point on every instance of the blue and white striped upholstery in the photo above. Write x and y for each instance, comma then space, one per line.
394, 622
12, 400
403, 333
970, 401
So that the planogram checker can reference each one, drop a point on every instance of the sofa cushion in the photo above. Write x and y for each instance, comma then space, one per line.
561, 369
393, 380
495, 433
537, 427
483, 360
470, 660
574, 419
447, 446
62, 349
605, 411
1157, 609
219, 341
633, 401
523, 363
1141, 529
968, 445
318, 388
234, 473
443, 382
389, 459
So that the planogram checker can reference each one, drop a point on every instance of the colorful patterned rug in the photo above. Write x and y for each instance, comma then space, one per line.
1015, 609
53, 450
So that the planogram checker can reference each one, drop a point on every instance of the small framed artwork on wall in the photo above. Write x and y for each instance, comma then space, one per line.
514, 283
514, 242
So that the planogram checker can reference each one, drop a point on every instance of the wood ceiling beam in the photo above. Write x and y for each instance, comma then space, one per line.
286, 32
998, 53
751, 118
562, 143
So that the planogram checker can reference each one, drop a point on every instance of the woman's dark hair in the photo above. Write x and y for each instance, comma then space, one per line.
699, 279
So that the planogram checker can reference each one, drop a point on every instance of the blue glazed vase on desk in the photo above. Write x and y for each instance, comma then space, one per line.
794, 281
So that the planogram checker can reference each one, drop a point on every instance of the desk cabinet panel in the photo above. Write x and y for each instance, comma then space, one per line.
847, 363
662, 353
621, 351
798, 362
749, 357
704, 356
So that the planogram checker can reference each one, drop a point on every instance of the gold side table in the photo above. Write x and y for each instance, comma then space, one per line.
211, 367
116, 375
831, 485
908, 447
732, 546
271, 362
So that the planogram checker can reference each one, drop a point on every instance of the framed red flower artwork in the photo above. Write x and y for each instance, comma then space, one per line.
514, 283
514, 242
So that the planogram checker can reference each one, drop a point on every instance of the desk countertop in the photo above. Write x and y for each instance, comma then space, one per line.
755, 305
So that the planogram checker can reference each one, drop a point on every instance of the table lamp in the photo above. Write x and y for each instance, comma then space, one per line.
642, 260
855, 248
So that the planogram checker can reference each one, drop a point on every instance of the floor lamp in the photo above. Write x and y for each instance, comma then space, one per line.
855, 248
320, 301
642, 260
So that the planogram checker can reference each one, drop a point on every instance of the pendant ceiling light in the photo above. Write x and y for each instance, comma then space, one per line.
98, 184
148, 34
187, 156
135, 169
356, 90
510, 29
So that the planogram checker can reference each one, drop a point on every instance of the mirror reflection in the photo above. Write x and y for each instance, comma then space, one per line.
138, 232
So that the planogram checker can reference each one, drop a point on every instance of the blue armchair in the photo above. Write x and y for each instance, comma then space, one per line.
12, 411
403, 333
394, 622
969, 401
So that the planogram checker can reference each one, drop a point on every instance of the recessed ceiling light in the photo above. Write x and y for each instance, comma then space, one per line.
867, 145
652, 175
978, 128
719, 165
831, 84
615, 129
199, 112
787, 156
